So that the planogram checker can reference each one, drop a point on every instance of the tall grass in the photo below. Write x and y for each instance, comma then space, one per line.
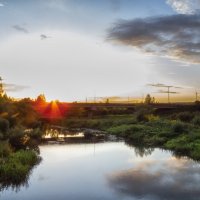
16, 168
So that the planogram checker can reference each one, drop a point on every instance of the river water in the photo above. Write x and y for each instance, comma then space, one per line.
108, 171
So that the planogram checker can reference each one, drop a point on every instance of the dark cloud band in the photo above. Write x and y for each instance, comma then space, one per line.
177, 36
15, 88
20, 28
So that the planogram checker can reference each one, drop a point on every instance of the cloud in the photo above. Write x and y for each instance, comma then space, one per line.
177, 36
20, 28
1, 4
160, 180
14, 88
185, 6
43, 37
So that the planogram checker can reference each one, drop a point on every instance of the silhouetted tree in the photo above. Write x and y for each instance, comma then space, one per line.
41, 98
149, 100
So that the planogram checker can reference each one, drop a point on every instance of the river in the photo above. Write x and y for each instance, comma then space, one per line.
108, 171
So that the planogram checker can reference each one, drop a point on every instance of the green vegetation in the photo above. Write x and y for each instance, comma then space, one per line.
101, 123
18, 141
176, 131
23, 122
16, 166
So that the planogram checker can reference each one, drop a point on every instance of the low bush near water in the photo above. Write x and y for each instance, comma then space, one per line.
17, 166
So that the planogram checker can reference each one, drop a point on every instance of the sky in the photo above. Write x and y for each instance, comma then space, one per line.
76, 49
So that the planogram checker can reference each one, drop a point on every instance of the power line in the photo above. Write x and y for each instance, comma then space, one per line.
168, 91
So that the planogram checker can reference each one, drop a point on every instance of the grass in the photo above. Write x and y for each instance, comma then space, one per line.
16, 161
15, 167
101, 123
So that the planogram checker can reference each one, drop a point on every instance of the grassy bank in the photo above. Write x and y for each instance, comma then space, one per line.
179, 132
15, 167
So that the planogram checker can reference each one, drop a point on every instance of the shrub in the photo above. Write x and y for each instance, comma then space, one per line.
25, 157
13, 171
179, 145
4, 127
179, 127
120, 130
195, 153
36, 134
196, 120
128, 130
17, 137
152, 117
5, 149
185, 116
141, 117
17, 166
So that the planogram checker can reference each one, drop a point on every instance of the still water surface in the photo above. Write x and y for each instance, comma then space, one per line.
109, 171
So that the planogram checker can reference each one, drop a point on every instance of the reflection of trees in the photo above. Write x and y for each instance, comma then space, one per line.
140, 150
14, 186
53, 133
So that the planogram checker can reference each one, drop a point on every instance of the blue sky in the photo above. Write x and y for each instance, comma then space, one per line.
63, 48
83, 15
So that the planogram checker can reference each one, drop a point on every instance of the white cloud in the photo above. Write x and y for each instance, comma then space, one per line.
185, 6
1, 4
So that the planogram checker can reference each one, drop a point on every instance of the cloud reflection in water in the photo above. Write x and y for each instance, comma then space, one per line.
172, 179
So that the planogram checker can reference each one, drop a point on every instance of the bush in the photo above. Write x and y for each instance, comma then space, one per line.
5, 149
121, 130
179, 145
195, 153
4, 127
36, 134
17, 137
17, 166
25, 157
152, 117
179, 128
13, 172
185, 116
141, 117
128, 130
196, 120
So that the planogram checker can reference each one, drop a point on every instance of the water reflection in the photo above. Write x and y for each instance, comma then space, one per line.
13, 186
108, 171
172, 179
17, 185
140, 150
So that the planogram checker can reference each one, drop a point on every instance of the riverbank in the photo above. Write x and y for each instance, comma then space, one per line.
177, 132
15, 166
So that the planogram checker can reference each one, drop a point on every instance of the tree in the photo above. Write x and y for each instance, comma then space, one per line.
41, 98
149, 100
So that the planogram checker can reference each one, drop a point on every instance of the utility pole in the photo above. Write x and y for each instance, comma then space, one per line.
95, 98
167, 91
196, 95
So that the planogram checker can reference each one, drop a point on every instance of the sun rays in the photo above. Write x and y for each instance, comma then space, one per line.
51, 110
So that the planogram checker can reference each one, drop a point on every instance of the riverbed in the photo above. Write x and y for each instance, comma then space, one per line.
108, 171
